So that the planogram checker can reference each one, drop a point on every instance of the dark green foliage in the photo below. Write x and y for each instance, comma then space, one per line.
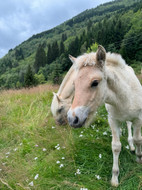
29, 77
40, 58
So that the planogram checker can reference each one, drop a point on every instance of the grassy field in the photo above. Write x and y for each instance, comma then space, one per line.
37, 154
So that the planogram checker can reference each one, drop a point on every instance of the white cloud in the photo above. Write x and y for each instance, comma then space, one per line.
19, 20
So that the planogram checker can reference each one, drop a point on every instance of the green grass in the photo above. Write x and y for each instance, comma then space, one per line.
27, 128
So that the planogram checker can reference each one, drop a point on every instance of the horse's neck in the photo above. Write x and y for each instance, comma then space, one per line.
66, 88
123, 87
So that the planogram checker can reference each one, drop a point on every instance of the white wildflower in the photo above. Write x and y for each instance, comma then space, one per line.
98, 177
64, 147
7, 153
100, 156
63, 158
31, 183
36, 145
58, 148
81, 131
0, 169
3, 163
58, 162
82, 188
44, 149
127, 146
6, 156
80, 135
93, 126
37, 175
61, 165
53, 127
78, 171
20, 144
105, 133
97, 130
35, 158
15, 149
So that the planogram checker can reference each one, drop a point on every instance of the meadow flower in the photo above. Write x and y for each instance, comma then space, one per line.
53, 127
63, 158
7, 153
58, 148
97, 130
127, 146
44, 149
36, 176
20, 144
3, 163
0, 169
61, 165
100, 156
15, 149
78, 171
80, 135
81, 131
36, 145
35, 158
105, 133
58, 162
6, 156
31, 183
98, 177
82, 188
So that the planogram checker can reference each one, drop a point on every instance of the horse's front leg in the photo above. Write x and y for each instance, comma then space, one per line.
130, 138
116, 148
138, 140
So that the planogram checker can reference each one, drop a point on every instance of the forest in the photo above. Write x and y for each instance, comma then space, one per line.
116, 25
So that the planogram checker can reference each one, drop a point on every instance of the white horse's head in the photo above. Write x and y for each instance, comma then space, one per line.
90, 87
59, 109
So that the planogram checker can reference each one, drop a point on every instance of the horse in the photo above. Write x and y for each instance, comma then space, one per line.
62, 101
105, 78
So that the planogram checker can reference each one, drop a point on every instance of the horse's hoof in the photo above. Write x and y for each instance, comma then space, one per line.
114, 183
132, 149
139, 160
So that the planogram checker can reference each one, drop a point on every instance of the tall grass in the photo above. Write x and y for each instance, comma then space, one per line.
37, 154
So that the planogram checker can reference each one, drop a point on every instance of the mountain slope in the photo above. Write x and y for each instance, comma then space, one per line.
106, 24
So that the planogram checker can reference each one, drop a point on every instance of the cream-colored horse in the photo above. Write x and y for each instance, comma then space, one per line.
105, 78
63, 98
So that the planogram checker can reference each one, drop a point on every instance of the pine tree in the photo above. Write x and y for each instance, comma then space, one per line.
40, 58
62, 48
29, 77
49, 55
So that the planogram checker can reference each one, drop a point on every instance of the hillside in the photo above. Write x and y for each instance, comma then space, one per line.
37, 154
116, 25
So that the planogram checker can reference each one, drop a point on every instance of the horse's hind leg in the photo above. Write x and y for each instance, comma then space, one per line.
138, 140
116, 148
130, 138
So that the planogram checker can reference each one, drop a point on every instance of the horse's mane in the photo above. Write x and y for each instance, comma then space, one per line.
90, 59
65, 80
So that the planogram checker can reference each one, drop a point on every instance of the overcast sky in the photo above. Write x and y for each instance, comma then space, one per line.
20, 19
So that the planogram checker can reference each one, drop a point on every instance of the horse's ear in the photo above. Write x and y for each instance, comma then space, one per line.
101, 56
72, 58
55, 94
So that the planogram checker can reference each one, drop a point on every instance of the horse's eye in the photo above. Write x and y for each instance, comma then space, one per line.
94, 83
60, 110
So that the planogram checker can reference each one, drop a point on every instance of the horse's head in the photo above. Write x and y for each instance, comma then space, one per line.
59, 109
90, 87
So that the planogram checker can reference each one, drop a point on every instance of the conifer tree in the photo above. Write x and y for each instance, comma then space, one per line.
40, 58
29, 77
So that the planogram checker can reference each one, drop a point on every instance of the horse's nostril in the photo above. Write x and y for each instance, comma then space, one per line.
75, 120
